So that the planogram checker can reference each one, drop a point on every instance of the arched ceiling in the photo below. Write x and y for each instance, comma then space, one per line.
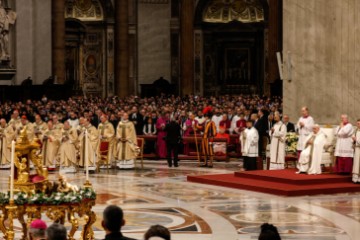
84, 10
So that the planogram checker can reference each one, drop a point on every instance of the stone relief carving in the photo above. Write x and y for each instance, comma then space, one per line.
85, 10
224, 11
7, 18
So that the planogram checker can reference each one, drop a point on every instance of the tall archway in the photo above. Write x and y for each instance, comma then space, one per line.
87, 40
234, 46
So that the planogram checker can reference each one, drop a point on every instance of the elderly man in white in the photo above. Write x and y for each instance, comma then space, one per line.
277, 146
305, 127
310, 158
344, 150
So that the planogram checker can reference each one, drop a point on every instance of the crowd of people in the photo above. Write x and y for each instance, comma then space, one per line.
112, 223
78, 127
106, 131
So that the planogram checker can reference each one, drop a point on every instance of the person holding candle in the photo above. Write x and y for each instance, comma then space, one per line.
126, 147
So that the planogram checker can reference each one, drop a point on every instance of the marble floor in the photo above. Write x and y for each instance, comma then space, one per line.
159, 195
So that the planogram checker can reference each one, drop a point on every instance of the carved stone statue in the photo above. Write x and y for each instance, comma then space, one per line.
7, 17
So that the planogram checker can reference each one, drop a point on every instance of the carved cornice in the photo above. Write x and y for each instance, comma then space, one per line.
154, 1
84, 10
224, 11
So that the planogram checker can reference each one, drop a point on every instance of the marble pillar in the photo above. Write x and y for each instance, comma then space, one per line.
274, 43
187, 47
58, 40
31, 39
321, 58
122, 48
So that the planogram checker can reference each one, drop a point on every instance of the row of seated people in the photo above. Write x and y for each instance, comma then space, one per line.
113, 222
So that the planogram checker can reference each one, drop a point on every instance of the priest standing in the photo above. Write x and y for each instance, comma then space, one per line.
344, 151
310, 157
106, 133
126, 147
67, 149
249, 145
93, 142
305, 128
277, 145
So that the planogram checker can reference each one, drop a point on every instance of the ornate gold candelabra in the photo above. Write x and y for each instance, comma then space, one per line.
26, 152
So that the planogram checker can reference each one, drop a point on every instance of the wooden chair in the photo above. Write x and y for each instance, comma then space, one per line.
140, 143
104, 149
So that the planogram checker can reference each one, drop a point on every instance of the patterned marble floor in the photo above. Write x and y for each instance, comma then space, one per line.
159, 195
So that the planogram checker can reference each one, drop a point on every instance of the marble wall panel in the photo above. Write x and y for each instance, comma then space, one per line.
321, 37
153, 42
33, 40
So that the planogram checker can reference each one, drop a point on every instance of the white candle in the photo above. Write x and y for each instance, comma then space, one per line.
12, 170
86, 156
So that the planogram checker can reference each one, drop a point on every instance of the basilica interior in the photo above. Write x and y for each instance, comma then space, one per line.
303, 51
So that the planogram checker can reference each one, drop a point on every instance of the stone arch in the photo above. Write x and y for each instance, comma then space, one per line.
84, 10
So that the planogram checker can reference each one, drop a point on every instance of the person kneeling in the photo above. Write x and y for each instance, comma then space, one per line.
310, 157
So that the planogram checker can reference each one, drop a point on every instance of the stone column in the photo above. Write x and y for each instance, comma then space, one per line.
187, 47
274, 40
58, 40
122, 48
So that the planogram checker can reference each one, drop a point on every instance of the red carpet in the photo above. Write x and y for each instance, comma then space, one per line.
281, 182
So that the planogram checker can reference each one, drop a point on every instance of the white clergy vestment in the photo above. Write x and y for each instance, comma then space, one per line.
304, 131
310, 157
249, 139
277, 146
344, 142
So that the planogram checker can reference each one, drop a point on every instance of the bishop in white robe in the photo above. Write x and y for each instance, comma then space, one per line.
310, 158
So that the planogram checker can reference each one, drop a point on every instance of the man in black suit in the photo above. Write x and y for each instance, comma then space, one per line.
290, 126
261, 125
173, 138
137, 119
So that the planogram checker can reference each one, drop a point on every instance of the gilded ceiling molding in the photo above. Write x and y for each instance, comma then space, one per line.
84, 10
155, 1
224, 11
